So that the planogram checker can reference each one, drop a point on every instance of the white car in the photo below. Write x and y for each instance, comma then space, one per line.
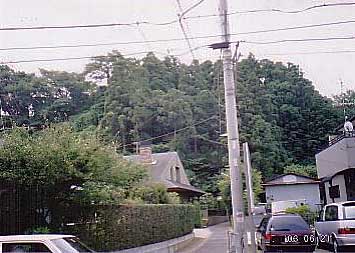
336, 225
41, 243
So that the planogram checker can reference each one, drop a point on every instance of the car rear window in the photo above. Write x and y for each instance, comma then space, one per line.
349, 212
288, 223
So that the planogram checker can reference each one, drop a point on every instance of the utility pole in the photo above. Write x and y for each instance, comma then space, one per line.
232, 132
250, 197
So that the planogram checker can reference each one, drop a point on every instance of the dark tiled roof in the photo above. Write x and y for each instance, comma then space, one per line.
161, 163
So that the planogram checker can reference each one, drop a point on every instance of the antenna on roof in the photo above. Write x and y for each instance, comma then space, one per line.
343, 98
343, 103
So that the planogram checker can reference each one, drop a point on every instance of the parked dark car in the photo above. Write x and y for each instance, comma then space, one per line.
285, 233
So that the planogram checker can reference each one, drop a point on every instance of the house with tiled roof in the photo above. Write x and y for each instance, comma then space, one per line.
166, 168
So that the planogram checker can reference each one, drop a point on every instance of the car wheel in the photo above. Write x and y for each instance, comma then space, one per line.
335, 247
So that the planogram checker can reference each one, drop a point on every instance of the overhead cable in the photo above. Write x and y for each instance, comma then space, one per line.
173, 132
297, 40
172, 21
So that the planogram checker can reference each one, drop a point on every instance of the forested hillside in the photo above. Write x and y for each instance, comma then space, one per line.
179, 107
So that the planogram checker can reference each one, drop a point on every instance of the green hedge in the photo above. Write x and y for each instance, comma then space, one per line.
129, 226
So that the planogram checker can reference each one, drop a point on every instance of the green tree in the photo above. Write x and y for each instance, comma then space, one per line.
305, 170
56, 168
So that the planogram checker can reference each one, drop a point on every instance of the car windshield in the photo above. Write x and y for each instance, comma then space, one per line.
71, 245
288, 223
349, 212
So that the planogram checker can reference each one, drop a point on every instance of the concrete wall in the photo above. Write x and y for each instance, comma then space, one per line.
337, 180
336, 158
170, 246
309, 192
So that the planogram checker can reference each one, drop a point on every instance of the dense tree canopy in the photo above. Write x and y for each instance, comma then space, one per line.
180, 107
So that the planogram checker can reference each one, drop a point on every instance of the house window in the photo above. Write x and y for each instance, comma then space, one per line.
178, 176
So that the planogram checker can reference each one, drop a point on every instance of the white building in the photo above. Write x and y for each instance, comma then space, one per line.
293, 188
336, 167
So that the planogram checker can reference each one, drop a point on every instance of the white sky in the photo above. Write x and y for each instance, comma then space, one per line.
324, 70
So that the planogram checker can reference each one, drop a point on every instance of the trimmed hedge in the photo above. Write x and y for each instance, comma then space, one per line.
128, 226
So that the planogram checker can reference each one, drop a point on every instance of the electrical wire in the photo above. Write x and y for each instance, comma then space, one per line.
104, 56
297, 40
312, 53
78, 58
107, 44
175, 21
173, 132
191, 8
296, 27
178, 39
197, 48
184, 32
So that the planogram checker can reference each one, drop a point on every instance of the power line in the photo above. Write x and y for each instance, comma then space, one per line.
177, 39
174, 21
107, 44
273, 10
93, 57
296, 27
197, 48
77, 58
312, 53
173, 132
191, 8
182, 25
295, 11
297, 40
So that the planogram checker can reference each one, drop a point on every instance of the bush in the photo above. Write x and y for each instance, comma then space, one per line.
128, 226
307, 214
154, 193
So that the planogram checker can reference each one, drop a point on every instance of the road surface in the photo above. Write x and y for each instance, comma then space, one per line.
213, 240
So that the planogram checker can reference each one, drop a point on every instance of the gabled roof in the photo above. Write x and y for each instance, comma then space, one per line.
160, 167
161, 162
291, 179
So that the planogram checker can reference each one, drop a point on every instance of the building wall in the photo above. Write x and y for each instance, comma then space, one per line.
335, 158
309, 192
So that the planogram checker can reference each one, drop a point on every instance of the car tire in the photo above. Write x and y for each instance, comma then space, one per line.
335, 246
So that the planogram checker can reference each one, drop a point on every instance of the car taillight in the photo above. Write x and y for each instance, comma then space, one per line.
268, 236
346, 231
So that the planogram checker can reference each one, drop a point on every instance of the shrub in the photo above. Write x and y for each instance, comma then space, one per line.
307, 214
153, 193
128, 226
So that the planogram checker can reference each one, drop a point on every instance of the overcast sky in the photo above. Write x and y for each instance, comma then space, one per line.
325, 70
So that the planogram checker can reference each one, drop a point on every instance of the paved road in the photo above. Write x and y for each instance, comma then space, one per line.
213, 240
210, 240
